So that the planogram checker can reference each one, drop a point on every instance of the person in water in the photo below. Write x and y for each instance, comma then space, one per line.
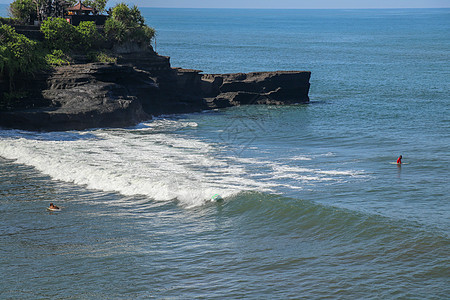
53, 206
399, 159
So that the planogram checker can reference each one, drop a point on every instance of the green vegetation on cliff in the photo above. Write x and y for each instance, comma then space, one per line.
59, 34
87, 36
24, 11
21, 56
98, 5
127, 25
18, 54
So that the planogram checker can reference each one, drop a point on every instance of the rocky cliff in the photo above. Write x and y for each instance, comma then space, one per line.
140, 85
274, 88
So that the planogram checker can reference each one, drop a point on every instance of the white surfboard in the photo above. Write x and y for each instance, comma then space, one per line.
53, 209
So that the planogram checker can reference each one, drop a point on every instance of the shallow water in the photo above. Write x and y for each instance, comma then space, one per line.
312, 205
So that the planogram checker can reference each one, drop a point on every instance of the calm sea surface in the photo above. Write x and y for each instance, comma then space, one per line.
313, 206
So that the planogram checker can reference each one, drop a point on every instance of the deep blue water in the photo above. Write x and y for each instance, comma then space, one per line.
313, 206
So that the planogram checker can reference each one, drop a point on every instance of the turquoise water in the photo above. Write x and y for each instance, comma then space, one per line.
312, 205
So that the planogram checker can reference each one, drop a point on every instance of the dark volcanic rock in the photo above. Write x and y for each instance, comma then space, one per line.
273, 88
119, 113
85, 96
143, 84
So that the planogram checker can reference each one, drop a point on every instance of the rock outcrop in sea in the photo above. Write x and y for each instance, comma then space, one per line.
140, 85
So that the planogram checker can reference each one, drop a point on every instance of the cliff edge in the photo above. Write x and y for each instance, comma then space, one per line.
141, 85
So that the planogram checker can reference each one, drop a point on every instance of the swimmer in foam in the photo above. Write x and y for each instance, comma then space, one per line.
53, 206
399, 160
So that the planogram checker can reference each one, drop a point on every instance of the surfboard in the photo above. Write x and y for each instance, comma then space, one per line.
217, 198
53, 209
395, 163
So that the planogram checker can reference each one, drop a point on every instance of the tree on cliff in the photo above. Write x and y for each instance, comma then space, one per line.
98, 5
26, 11
127, 25
17, 53
23, 11
61, 35
52, 8
58, 33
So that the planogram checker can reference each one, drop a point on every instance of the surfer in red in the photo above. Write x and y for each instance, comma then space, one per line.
399, 160
53, 206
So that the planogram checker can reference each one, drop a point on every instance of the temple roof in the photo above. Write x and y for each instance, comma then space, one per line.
79, 6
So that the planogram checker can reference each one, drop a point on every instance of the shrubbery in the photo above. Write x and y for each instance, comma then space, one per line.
101, 57
59, 34
98, 5
7, 21
115, 30
57, 58
24, 11
127, 25
18, 54
87, 35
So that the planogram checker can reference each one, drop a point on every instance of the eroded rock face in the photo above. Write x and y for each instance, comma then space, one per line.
273, 88
119, 114
94, 95
85, 96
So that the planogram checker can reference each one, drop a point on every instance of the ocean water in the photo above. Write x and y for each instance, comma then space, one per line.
313, 206
4, 10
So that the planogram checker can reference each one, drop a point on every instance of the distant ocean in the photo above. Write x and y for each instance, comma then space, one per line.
4, 10
313, 205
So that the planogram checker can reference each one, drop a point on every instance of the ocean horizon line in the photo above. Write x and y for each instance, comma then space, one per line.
284, 8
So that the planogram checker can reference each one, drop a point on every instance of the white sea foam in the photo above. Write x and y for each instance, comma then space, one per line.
336, 172
162, 166
301, 157
154, 160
